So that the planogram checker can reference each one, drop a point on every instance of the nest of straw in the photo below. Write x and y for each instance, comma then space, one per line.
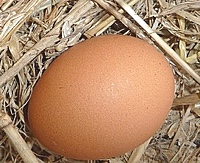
33, 33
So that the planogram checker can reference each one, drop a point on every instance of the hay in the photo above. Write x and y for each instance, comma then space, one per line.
33, 33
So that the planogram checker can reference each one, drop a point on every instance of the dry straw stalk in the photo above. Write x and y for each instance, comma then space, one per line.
47, 41
187, 100
138, 152
101, 26
182, 125
18, 142
149, 30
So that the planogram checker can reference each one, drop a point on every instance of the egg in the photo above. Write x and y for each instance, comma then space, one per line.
101, 98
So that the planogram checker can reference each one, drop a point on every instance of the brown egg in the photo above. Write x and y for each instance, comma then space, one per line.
101, 98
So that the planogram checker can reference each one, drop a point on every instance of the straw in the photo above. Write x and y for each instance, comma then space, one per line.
18, 142
33, 33
46, 41
159, 40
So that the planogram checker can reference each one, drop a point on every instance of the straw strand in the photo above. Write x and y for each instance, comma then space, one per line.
16, 139
159, 40
47, 41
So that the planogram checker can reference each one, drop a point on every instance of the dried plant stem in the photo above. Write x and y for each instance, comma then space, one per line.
159, 40
46, 41
182, 43
138, 152
177, 134
178, 7
100, 27
187, 100
122, 18
16, 139
6, 5
17, 20
104, 24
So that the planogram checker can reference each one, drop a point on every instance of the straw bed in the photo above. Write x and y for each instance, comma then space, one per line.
34, 33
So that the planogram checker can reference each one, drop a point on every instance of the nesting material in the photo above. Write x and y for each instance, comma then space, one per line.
34, 33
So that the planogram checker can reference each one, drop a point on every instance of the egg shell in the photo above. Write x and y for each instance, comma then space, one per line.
101, 98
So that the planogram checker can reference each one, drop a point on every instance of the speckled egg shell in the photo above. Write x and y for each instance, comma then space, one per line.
101, 98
